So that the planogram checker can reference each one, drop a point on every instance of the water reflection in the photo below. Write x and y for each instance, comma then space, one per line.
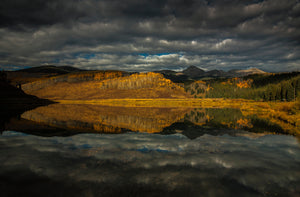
157, 159
138, 164
70, 119
106, 119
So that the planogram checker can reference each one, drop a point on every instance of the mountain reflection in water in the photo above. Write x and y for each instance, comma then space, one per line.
70, 119
151, 155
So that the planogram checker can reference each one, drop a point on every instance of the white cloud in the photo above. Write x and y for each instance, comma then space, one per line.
223, 44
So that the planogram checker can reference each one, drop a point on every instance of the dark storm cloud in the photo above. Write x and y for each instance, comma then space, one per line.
210, 34
33, 13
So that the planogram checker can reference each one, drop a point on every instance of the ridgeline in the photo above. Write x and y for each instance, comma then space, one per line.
105, 85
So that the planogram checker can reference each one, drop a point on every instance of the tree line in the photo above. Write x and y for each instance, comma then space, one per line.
272, 87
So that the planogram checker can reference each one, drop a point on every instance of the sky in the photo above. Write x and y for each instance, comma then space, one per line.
147, 35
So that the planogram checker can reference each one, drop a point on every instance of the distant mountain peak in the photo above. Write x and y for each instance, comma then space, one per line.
193, 71
252, 70
192, 67
255, 70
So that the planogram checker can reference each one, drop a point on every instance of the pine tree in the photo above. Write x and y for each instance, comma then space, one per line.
289, 92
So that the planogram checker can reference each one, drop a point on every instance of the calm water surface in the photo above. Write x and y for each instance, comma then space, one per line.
89, 150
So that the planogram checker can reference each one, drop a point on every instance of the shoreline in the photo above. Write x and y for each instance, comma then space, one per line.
164, 102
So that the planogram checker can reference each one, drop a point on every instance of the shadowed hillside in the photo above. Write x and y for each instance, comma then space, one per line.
102, 85
13, 101
195, 73
37, 73
14, 98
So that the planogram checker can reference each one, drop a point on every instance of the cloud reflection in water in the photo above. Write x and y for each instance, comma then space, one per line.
153, 164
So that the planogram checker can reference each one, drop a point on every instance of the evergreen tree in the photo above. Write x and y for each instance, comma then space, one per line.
289, 92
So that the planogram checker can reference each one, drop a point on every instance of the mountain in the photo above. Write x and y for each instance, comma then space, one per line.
195, 73
166, 72
246, 72
215, 73
191, 73
250, 71
51, 69
174, 76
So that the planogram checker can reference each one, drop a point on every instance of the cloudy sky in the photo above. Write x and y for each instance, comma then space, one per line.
145, 35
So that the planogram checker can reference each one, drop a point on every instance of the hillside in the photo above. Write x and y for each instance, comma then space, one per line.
13, 98
73, 78
14, 101
250, 71
263, 87
51, 69
104, 85
37, 73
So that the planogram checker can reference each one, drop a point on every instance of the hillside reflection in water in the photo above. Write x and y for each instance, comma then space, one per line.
105, 119
156, 152
69, 119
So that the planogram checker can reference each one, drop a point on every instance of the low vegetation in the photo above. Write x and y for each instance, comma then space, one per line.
266, 87
107, 86
72, 78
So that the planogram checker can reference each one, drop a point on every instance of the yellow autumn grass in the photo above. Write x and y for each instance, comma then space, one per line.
165, 102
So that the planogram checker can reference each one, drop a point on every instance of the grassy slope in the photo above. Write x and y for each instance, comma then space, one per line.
144, 85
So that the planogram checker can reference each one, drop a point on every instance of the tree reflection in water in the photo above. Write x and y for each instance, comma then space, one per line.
85, 118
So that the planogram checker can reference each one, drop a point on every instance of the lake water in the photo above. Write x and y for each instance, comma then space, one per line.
92, 150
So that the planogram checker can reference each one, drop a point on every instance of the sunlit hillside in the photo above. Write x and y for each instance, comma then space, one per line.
72, 78
105, 85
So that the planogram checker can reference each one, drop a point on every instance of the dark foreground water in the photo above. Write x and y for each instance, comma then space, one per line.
189, 156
